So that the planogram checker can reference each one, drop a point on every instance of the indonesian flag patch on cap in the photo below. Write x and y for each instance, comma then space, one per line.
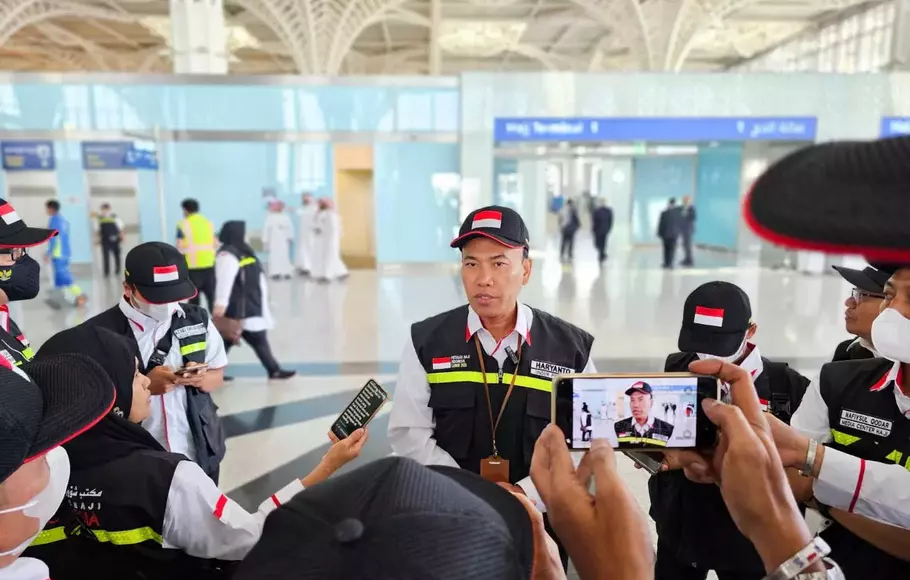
165, 274
9, 214
709, 316
487, 219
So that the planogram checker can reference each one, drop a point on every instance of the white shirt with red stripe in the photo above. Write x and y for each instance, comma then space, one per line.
411, 421
876, 490
203, 522
167, 422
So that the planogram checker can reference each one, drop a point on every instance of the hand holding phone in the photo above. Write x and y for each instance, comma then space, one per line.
190, 370
360, 411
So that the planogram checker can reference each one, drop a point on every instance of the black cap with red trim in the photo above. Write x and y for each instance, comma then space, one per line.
159, 272
639, 387
716, 317
839, 198
35, 418
15, 234
501, 224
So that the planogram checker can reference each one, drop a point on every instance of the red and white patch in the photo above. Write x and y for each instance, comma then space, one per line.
709, 316
165, 274
764, 404
487, 219
9, 215
440, 364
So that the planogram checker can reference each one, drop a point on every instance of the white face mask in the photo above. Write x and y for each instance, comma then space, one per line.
160, 312
43, 506
727, 359
891, 335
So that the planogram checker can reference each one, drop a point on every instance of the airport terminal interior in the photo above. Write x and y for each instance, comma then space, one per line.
410, 114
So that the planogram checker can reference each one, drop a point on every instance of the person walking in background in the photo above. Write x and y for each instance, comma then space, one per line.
110, 236
327, 263
687, 229
277, 237
669, 230
306, 216
196, 240
602, 218
242, 297
66, 289
569, 222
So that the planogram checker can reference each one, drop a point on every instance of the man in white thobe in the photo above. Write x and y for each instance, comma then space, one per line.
327, 264
306, 215
277, 236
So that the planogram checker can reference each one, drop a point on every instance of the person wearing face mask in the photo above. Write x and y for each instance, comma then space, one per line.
862, 408
172, 338
695, 531
156, 514
862, 308
34, 470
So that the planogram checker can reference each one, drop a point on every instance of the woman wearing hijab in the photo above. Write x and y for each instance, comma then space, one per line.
133, 507
242, 297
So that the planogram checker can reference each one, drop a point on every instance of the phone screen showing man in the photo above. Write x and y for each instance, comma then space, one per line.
361, 410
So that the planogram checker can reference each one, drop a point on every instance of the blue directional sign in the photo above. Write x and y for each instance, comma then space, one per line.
117, 155
664, 129
895, 126
28, 155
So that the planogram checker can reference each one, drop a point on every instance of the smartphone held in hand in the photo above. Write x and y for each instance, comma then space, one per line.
361, 410
643, 412
185, 371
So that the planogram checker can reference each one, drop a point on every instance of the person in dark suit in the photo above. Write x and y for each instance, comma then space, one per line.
569, 223
602, 219
687, 229
862, 308
642, 425
669, 228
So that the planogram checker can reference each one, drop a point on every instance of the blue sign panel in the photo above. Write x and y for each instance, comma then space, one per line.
28, 155
117, 155
895, 126
663, 129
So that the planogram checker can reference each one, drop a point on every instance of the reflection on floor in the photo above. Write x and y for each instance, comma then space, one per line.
341, 334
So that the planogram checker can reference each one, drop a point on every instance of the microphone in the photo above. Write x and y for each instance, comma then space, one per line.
512, 356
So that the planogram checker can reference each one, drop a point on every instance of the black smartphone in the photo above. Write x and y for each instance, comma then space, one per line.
361, 410
635, 411
649, 461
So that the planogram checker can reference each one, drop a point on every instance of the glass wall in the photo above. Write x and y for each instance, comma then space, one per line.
858, 44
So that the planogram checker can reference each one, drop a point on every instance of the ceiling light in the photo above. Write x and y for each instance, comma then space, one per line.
478, 38
236, 36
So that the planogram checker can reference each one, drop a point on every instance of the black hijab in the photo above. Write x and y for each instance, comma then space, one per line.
114, 436
233, 233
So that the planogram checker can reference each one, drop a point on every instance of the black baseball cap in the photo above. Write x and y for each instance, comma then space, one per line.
15, 234
639, 387
395, 519
159, 272
68, 396
840, 198
868, 279
715, 319
499, 223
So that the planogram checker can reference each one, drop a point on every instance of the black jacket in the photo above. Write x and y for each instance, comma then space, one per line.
603, 221
851, 349
670, 224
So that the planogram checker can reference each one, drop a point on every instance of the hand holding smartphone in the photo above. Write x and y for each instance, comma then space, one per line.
192, 370
360, 411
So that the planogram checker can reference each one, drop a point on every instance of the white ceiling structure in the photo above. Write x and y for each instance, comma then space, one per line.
438, 37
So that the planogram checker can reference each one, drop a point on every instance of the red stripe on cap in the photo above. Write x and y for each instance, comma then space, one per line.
6, 208
488, 215
219, 506
705, 311
442, 360
164, 269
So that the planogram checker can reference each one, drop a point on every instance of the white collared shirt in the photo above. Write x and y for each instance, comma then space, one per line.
168, 422
25, 569
876, 490
227, 268
411, 421
642, 429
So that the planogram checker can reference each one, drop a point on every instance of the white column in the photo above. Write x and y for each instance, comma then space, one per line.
900, 39
198, 37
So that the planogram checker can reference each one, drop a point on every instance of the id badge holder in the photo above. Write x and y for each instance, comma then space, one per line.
495, 469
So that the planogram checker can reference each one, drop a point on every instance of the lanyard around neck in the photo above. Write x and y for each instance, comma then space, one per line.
486, 389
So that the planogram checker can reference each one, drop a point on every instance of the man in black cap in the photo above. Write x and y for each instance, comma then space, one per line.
34, 470
394, 519
695, 531
862, 308
20, 278
173, 338
642, 427
475, 382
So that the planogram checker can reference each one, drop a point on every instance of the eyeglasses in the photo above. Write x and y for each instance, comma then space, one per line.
858, 295
14, 253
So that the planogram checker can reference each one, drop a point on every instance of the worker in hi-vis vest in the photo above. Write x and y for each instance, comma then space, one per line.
196, 240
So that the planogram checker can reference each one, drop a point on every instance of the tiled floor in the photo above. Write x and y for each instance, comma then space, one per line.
339, 335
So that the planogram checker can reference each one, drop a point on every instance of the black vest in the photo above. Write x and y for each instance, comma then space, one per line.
246, 294
694, 526
851, 349
191, 332
864, 423
108, 230
457, 394
117, 522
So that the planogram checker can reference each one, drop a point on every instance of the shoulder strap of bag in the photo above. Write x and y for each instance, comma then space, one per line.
781, 389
